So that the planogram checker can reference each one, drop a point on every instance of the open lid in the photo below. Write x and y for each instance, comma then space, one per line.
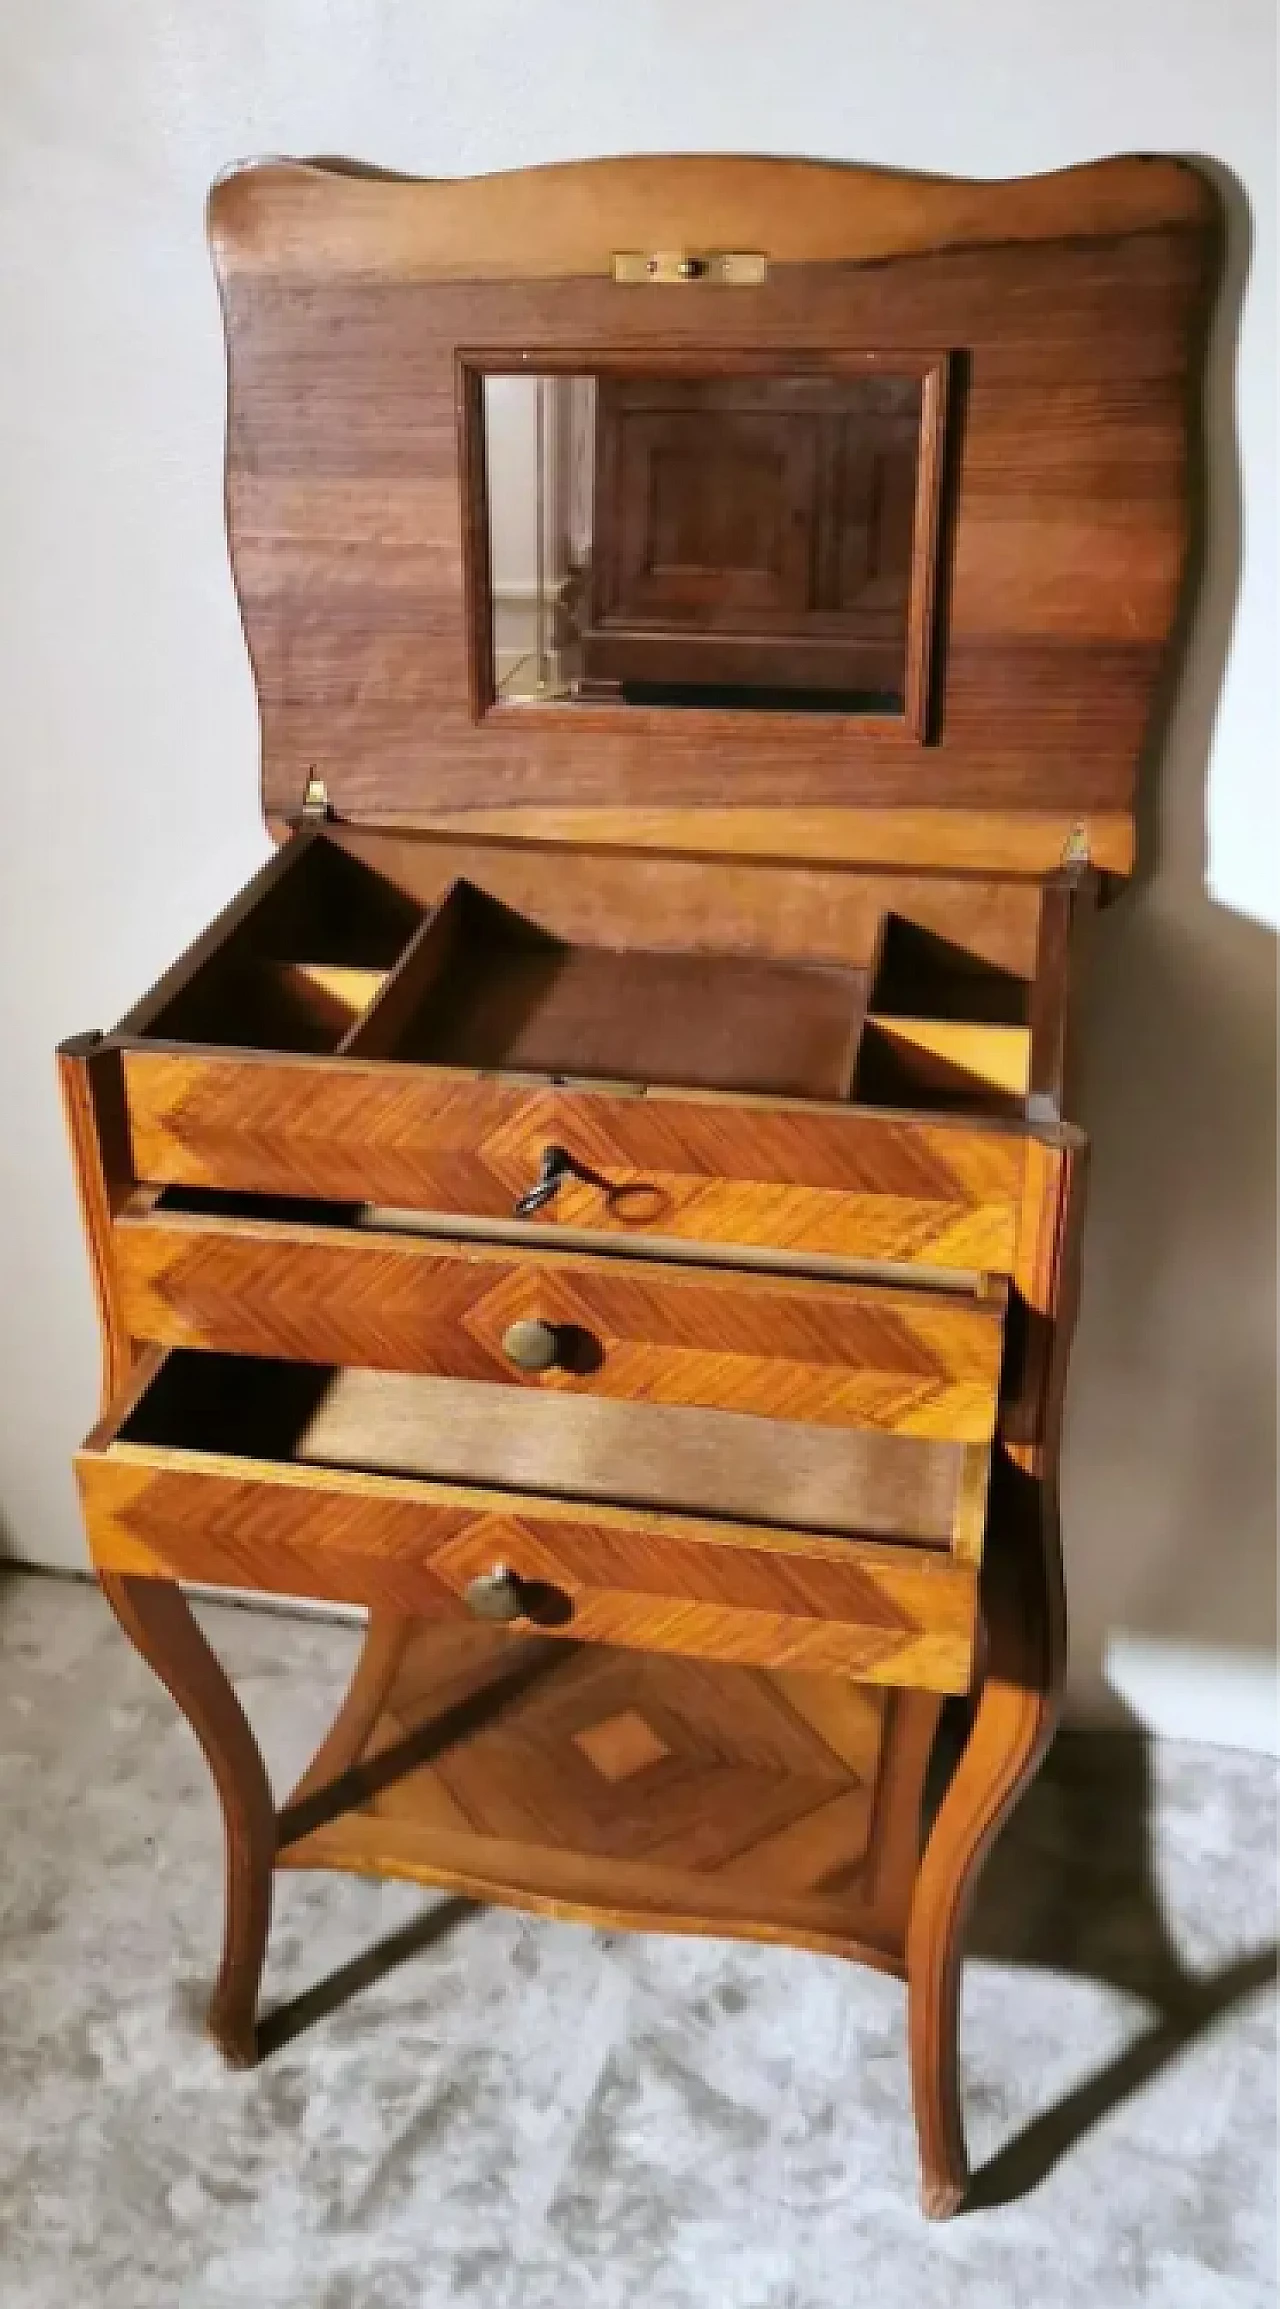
1052, 328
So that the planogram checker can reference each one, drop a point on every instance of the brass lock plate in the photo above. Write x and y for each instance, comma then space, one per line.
681, 268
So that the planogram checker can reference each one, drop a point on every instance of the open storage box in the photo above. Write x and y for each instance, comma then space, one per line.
667, 1530
329, 955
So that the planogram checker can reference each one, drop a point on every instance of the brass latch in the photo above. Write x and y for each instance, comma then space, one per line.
718, 268
1075, 850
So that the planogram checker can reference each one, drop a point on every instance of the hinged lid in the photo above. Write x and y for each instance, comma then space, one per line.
1065, 314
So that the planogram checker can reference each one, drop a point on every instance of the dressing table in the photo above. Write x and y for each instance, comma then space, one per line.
601, 1198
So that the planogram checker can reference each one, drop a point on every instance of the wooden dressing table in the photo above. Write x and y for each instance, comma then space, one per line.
600, 1198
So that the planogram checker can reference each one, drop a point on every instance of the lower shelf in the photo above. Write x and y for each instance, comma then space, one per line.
625, 1789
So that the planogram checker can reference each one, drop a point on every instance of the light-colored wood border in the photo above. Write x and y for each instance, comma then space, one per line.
540, 223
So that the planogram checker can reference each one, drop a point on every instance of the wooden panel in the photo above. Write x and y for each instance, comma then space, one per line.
543, 222
997, 1055
821, 912
978, 841
631, 1789
91, 1083
602, 1575
945, 1064
487, 989
1047, 1280
800, 1176
1075, 307
673, 1460
669, 1460
921, 1363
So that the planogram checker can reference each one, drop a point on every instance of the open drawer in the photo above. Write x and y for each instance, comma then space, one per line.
339, 1036
346, 1285
662, 1529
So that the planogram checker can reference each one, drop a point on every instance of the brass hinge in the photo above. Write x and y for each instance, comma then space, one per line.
1075, 850
315, 801
716, 268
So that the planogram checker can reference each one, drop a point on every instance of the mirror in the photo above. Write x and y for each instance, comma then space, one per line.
747, 538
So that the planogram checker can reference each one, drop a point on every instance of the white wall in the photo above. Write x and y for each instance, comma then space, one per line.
128, 758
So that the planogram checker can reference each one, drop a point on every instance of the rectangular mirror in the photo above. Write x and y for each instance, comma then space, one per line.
752, 537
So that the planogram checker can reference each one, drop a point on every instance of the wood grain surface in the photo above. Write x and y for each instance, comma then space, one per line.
658, 1582
839, 1354
91, 1087
797, 1175
821, 911
572, 216
1073, 307
596, 1782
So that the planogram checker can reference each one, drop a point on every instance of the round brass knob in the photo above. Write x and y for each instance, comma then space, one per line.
495, 1595
532, 1346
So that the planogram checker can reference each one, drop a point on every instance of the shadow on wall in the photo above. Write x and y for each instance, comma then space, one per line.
1169, 1483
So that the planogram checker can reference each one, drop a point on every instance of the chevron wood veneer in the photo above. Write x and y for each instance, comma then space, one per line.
838, 1354
721, 1800
603, 1575
795, 1175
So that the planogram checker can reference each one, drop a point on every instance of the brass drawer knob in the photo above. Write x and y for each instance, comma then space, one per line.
532, 1346
495, 1595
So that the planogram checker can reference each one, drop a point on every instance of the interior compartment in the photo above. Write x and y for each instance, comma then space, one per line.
847, 1482
327, 955
918, 974
298, 968
956, 1068
943, 1028
486, 987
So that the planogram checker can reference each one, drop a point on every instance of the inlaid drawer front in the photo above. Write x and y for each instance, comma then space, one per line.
922, 1363
885, 1614
796, 1175
227, 1475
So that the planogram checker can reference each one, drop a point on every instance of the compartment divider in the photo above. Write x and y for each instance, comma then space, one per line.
434, 945
227, 932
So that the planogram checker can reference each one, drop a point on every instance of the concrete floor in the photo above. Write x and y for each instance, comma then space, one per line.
482, 2108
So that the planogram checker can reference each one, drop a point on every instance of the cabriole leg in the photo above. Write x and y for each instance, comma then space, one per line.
158, 1620
1012, 1726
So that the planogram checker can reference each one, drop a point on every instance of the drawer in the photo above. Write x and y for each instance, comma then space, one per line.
838, 1353
334, 1037
802, 1176
631, 1525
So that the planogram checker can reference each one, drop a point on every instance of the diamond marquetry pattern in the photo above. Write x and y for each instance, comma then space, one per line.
621, 1745
802, 1177
914, 1363
611, 1755
658, 1582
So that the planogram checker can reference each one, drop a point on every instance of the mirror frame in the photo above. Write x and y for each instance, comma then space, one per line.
913, 723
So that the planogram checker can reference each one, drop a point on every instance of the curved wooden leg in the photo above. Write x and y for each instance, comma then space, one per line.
1012, 1726
158, 1620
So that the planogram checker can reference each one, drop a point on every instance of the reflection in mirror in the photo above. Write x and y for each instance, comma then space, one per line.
746, 540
